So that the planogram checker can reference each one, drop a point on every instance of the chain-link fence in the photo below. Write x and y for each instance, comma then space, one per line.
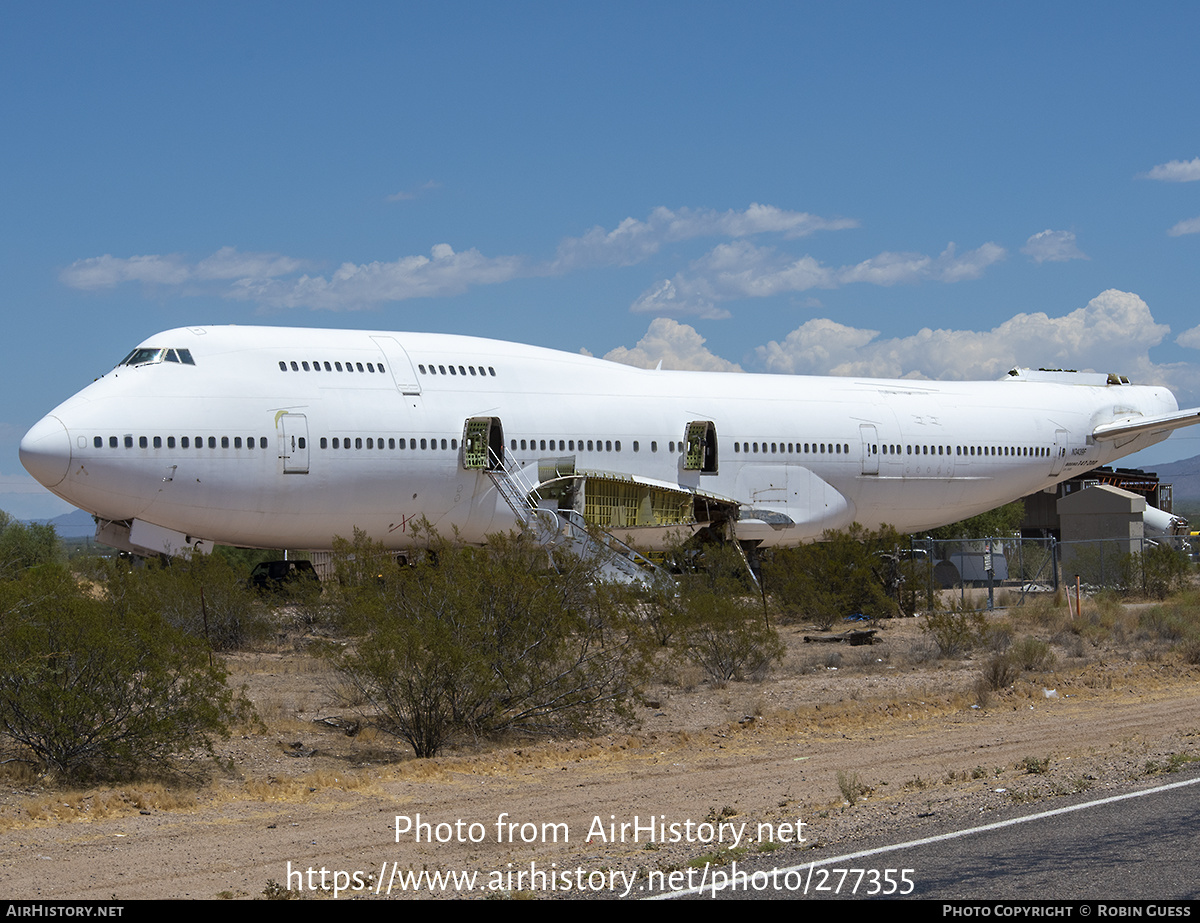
1023, 566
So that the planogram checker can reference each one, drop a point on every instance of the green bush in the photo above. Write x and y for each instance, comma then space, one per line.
1032, 654
204, 596
98, 686
476, 641
955, 631
847, 573
22, 546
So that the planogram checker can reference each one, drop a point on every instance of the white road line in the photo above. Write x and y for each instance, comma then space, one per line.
950, 836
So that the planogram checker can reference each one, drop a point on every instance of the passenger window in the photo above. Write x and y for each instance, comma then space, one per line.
224, 442
142, 442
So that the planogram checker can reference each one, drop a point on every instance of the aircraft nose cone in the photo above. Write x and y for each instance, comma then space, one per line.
46, 451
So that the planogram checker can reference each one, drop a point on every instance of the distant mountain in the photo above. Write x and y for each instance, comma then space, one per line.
1184, 476
75, 524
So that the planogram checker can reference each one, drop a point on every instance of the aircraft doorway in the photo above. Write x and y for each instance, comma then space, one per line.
483, 444
701, 452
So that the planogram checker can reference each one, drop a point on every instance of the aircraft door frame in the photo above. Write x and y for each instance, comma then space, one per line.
870, 448
1061, 440
483, 444
700, 437
293, 445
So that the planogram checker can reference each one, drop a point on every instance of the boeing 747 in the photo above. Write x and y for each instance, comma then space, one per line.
276, 437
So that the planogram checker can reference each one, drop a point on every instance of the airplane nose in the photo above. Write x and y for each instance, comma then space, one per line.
46, 451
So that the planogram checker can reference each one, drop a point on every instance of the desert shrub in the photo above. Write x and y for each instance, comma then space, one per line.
476, 641
719, 617
1164, 570
24, 546
95, 685
1000, 671
728, 637
955, 631
1032, 654
203, 595
847, 573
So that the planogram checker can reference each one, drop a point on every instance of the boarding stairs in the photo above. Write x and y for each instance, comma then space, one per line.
567, 529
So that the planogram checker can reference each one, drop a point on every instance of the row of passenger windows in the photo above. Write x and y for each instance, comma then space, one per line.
463, 370
569, 445
793, 448
994, 451
588, 445
185, 442
370, 442
315, 366
302, 365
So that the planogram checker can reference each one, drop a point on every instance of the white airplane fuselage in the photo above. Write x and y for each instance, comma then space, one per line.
285, 438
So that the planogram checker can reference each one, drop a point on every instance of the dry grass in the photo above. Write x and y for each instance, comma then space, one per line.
821, 691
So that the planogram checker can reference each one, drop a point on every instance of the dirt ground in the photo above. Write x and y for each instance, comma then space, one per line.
307, 811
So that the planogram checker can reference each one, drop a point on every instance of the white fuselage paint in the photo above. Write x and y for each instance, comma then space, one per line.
822, 452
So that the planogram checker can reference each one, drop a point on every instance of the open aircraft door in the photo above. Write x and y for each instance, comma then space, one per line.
483, 444
701, 452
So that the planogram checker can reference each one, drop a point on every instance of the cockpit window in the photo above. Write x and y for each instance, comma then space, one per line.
143, 356
147, 355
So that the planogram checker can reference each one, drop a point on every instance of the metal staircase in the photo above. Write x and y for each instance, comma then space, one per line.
567, 529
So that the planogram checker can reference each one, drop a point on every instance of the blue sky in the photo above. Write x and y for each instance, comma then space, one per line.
927, 190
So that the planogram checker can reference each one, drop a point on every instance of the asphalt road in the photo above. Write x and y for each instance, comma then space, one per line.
1142, 843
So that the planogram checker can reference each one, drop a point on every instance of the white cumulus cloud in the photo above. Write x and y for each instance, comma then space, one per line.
1190, 226
1053, 247
677, 346
741, 269
226, 264
1113, 332
634, 240
1175, 171
1189, 338
359, 285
